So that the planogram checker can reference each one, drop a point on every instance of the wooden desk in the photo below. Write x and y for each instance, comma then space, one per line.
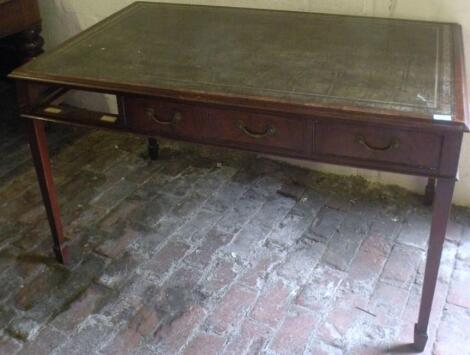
371, 93
21, 19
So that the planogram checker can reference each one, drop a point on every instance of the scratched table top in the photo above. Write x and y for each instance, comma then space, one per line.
299, 58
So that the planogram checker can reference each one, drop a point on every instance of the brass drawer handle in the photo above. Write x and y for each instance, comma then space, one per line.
270, 130
393, 145
177, 117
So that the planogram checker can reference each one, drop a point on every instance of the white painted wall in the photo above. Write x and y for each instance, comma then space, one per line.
64, 18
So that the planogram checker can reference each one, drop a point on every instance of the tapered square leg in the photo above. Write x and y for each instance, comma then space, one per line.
38, 144
153, 149
420, 340
441, 211
430, 191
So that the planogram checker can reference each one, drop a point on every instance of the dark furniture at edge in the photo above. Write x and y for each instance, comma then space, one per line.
21, 23
371, 93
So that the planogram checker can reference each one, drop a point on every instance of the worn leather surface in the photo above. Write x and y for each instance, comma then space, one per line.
341, 61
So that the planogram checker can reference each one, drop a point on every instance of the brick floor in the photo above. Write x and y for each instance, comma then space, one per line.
209, 251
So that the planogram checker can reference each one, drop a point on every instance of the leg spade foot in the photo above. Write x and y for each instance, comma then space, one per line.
153, 149
420, 340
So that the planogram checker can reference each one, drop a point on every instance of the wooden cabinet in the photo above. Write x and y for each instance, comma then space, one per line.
21, 20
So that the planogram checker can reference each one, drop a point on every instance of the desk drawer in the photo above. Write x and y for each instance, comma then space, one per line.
221, 126
158, 117
259, 132
379, 144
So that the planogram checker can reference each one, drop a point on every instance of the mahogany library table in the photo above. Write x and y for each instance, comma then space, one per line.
364, 92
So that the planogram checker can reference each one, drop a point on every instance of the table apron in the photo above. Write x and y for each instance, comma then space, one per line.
431, 150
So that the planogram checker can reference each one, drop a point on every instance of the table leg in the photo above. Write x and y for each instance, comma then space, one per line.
430, 191
38, 144
153, 149
441, 210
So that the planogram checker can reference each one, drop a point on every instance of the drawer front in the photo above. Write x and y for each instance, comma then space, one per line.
164, 118
17, 15
10, 17
261, 132
228, 127
379, 144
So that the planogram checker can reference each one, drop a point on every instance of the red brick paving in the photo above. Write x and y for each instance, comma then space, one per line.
271, 306
205, 344
459, 292
217, 262
295, 331
252, 335
231, 308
